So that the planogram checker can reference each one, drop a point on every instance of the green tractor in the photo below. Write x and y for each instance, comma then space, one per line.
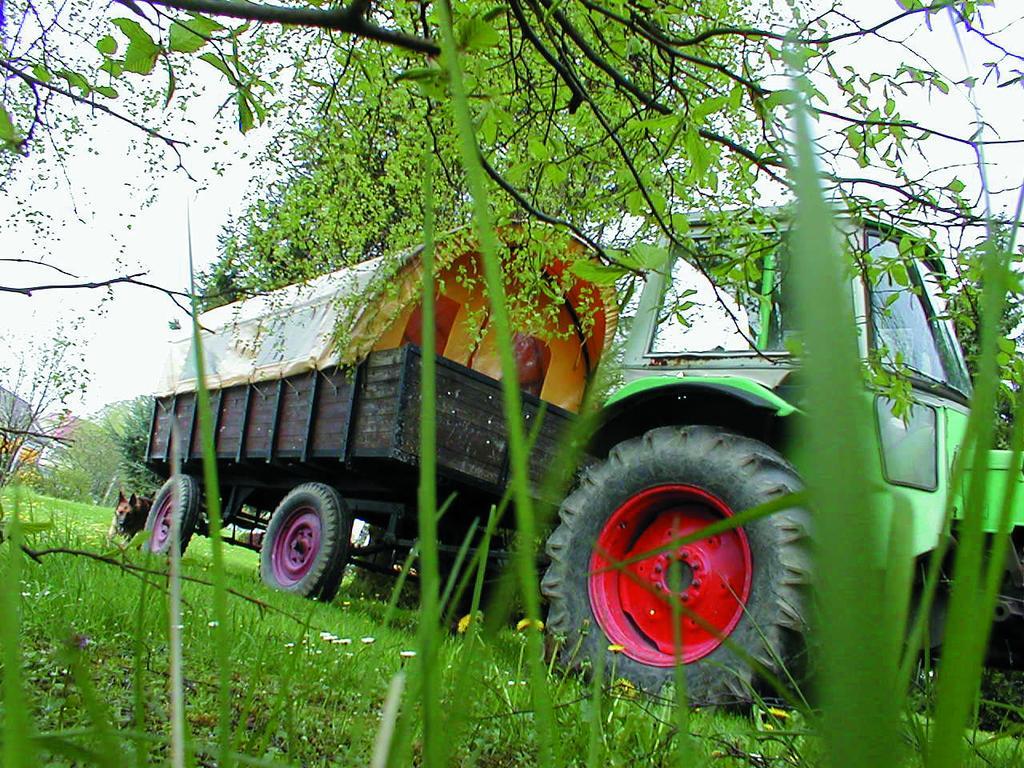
702, 429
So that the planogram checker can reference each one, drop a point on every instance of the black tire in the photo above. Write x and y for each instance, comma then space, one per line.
292, 558
177, 498
741, 473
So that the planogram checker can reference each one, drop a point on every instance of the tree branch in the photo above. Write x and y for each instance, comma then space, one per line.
350, 19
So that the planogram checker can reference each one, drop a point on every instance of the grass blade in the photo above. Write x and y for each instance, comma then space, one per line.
526, 525
430, 576
221, 636
18, 750
857, 677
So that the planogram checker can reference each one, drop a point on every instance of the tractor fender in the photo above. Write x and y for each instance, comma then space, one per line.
735, 403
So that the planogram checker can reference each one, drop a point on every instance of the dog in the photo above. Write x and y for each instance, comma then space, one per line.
129, 516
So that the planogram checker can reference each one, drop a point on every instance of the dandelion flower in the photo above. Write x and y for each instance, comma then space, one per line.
624, 688
467, 620
526, 623
779, 713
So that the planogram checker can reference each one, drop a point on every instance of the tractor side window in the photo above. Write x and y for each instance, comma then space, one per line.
905, 328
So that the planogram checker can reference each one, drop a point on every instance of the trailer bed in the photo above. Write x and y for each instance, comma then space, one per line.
356, 429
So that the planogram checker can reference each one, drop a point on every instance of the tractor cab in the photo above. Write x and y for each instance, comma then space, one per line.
723, 308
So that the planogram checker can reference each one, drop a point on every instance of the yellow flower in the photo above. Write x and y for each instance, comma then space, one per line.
624, 689
616, 648
779, 713
466, 620
526, 623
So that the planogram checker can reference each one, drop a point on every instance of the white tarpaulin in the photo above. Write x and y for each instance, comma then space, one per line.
341, 317
278, 334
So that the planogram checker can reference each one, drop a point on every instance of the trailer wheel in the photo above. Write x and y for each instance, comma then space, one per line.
748, 585
177, 498
307, 542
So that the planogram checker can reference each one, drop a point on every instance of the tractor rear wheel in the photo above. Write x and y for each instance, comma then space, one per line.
307, 543
623, 548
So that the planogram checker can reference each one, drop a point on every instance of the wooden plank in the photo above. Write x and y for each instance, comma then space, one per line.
332, 414
229, 427
193, 426
161, 430
314, 390
215, 412
293, 418
152, 429
245, 423
170, 426
261, 418
357, 384
277, 418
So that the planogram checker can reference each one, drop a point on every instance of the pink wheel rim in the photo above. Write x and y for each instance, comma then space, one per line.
296, 547
633, 604
160, 536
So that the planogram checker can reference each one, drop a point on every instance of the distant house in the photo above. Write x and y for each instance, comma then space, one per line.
59, 430
21, 440
26, 440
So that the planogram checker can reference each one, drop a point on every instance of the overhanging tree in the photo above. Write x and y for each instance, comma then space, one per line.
609, 118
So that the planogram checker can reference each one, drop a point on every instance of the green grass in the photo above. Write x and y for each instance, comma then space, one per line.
300, 699
296, 698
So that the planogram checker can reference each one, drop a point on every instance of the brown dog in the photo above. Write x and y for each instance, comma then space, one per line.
129, 516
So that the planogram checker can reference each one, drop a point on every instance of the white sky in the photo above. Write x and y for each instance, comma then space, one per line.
126, 336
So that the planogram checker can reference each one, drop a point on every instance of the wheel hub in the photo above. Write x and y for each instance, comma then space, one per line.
160, 536
296, 547
652, 594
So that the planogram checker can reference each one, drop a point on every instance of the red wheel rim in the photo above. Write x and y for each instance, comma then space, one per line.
160, 536
295, 549
632, 604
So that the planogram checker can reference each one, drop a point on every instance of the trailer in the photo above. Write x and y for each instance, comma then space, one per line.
315, 401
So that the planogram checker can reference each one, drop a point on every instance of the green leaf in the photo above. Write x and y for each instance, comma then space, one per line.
219, 64
172, 84
112, 67
854, 137
781, 97
555, 173
955, 186
644, 256
245, 119
709, 107
41, 73
477, 35
537, 149
8, 134
599, 274
142, 50
184, 40
106, 45
191, 35
76, 80
106, 90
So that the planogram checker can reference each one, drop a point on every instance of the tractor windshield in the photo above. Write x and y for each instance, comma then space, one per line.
713, 304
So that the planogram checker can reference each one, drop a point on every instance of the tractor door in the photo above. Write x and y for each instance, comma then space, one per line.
909, 335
